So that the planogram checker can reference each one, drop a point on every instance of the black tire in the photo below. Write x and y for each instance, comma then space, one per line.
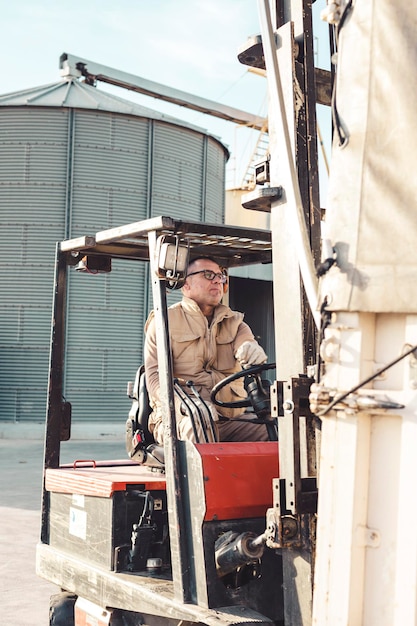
61, 609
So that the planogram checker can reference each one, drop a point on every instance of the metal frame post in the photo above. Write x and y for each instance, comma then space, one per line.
295, 225
57, 423
184, 584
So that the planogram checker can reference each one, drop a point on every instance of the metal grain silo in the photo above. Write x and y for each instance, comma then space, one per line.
74, 160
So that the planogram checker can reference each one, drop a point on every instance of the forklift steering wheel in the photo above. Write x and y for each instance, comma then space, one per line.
250, 371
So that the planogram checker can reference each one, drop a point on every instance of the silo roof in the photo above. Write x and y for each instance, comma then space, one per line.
72, 93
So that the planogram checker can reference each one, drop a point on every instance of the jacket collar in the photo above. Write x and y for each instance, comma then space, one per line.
220, 312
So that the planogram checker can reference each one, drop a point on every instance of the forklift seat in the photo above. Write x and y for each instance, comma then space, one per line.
140, 443
144, 407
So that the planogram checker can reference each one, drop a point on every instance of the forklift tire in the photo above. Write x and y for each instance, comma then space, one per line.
61, 609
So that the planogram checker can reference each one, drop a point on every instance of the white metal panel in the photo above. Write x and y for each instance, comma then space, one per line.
370, 214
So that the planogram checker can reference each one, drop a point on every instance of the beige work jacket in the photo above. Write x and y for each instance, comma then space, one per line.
201, 353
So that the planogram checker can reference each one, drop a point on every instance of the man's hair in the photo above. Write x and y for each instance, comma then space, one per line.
202, 258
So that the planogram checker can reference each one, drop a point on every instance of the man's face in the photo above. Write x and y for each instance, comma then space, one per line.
207, 293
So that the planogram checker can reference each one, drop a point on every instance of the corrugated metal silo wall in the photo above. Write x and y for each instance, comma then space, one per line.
195, 170
64, 173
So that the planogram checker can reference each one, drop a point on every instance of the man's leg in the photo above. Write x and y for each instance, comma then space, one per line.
185, 430
236, 430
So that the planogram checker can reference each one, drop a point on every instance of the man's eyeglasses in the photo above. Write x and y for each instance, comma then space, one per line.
210, 275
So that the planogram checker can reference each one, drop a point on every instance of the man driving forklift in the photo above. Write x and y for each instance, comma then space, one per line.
209, 342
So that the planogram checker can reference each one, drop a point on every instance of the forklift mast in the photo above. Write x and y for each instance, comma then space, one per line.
362, 557
285, 51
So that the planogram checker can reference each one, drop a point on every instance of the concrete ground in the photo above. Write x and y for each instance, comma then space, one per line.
25, 596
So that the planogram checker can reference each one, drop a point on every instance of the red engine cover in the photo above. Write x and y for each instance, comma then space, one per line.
238, 478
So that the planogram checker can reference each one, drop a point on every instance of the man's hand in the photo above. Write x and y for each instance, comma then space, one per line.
250, 353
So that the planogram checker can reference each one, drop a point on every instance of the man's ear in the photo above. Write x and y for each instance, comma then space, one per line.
226, 284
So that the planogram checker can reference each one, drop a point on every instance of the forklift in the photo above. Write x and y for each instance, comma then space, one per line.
324, 532
208, 532
172, 533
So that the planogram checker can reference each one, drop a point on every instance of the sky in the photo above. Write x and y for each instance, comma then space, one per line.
191, 45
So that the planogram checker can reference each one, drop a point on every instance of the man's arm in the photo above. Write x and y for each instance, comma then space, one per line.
151, 360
